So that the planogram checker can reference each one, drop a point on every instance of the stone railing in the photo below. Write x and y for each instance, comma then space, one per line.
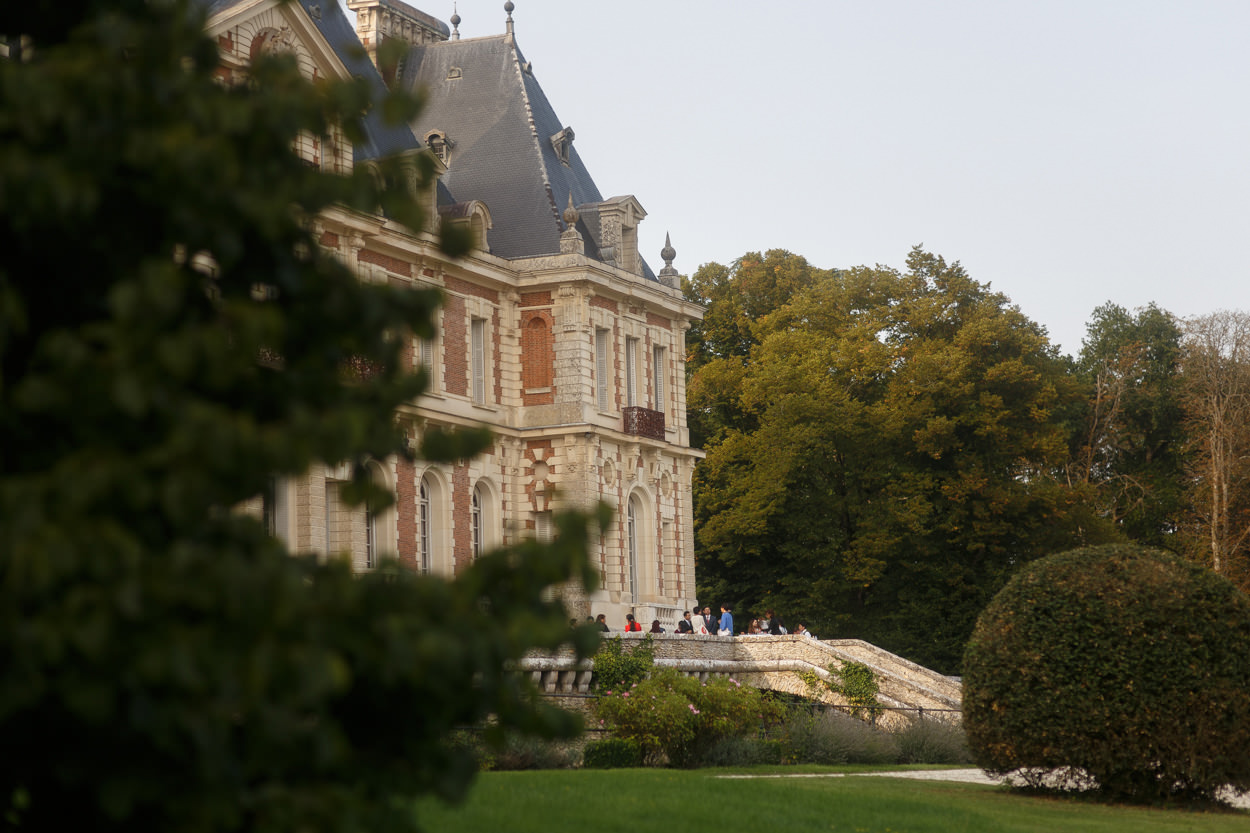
907, 690
667, 614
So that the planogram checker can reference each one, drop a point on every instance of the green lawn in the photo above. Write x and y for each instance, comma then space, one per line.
645, 800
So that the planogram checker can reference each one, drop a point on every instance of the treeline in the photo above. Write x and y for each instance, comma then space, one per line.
885, 447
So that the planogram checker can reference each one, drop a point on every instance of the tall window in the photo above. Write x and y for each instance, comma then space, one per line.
601, 369
425, 353
424, 537
371, 538
478, 345
544, 531
273, 508
657, 370
631, 371
333, 544
632, 533
475, 522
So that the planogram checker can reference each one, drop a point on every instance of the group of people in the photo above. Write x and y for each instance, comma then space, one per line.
705, 624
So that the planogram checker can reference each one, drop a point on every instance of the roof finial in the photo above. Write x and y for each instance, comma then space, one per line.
508, 7
455, 22
668, 275
571, 241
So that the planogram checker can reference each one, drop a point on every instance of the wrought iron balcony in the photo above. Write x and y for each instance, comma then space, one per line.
644, 422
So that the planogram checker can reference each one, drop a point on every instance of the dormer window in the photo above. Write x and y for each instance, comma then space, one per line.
454, 73
563, 142
440, 146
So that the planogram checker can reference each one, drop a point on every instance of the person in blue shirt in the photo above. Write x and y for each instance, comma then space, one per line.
726, 621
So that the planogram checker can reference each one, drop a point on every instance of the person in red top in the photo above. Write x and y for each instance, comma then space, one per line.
630, 624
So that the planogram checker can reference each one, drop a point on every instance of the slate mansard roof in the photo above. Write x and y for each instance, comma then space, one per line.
483, 97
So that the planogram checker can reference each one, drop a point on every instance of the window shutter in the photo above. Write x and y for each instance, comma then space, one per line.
479, 360
601, 367
657, 361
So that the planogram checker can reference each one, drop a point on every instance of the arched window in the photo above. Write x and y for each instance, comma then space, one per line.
633, 534
439, 145
425, 549
379, 523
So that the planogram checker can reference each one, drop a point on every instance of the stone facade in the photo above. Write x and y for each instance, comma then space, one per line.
574, 360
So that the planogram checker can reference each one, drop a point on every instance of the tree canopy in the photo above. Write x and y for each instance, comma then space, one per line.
1129, 442
171, 337
1215, 392
895, 452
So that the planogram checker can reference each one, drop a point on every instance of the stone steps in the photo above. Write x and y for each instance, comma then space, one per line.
772, 662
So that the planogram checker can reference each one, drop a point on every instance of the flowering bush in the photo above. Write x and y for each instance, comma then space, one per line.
618, 667
679, 717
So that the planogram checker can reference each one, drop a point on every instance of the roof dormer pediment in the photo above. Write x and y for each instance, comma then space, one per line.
613, 225
248, 29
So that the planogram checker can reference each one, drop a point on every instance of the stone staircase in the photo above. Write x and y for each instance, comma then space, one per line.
907, 691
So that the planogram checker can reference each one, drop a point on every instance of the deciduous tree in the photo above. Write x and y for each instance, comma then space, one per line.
900, 458
1216, 391
719, 347
1130, 437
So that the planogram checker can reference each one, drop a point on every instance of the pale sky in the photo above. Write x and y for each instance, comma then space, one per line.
1068, 152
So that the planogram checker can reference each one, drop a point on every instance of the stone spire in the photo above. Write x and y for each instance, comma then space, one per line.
668, 275
508, 7
571, 242
455, 22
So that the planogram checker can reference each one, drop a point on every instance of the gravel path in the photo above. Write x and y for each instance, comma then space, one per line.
966, 776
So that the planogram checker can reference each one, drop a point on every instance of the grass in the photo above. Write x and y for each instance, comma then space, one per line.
639, 800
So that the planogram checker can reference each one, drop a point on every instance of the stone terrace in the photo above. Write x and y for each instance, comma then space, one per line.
773, 662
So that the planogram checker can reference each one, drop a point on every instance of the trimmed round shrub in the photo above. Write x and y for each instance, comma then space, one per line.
1119, 667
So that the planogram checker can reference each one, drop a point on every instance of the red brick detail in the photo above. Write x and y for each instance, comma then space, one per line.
329, 239
455, 350
463, 287
603, 303
659, 321
225, 43
406, 513
538, 358
462, 545
224, 74
429, 273
533, 445
390, 264
536, 299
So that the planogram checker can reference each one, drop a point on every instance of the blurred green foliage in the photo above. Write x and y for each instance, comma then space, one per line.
170, 339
